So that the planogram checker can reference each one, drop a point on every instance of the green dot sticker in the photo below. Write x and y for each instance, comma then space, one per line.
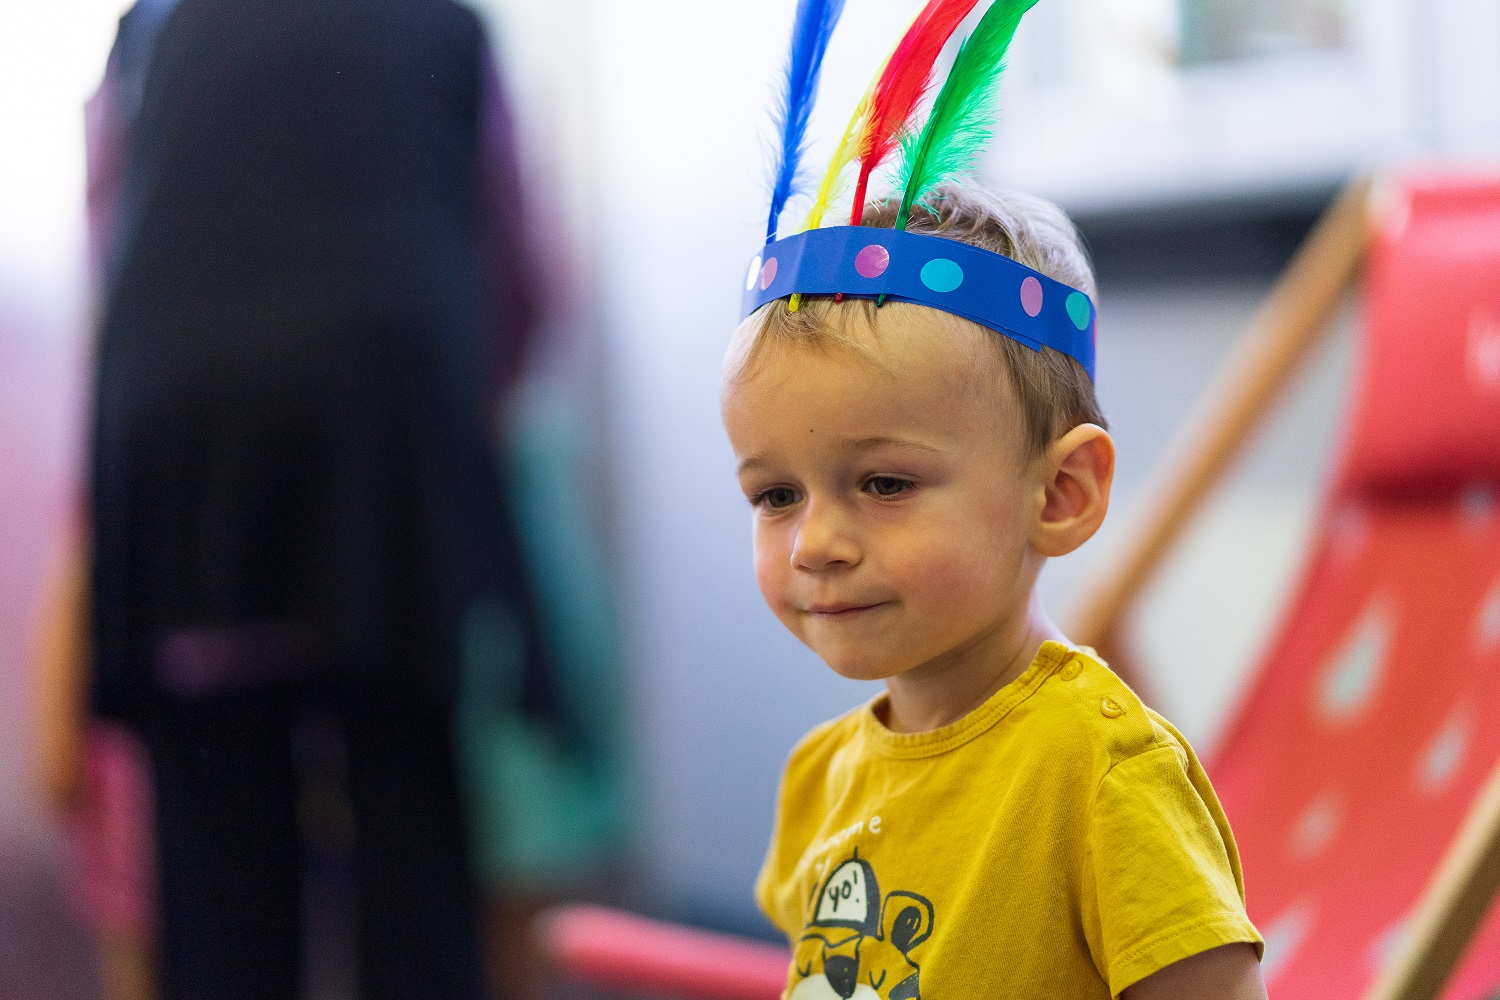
942, 275
1078, 308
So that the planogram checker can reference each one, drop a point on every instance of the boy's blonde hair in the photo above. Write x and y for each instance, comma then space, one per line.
1055, 392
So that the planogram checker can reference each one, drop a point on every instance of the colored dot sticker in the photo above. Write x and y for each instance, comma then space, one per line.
1078, 308
767, 273
752, 274
1031, 296
872, 261
942, 275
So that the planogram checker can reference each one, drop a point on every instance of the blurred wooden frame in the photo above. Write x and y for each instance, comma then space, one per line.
1289, 325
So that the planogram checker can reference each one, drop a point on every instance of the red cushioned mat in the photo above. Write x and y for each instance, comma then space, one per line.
1427, 392
1376, 714
1376, 722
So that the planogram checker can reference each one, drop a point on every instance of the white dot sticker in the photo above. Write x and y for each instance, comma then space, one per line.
752, 275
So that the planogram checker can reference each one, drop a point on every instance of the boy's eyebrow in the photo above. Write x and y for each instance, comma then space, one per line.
865, 444
753, 462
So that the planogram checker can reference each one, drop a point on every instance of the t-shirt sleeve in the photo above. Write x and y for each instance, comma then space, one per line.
1164, 869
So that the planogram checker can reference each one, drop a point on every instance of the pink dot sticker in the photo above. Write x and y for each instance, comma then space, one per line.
1031, 296
767, 273
872, 261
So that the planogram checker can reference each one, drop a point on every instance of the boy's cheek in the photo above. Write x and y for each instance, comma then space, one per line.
771, 570
934, 566
773, 575
943, 590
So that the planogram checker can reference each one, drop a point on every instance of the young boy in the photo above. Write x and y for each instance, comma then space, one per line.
1007, 819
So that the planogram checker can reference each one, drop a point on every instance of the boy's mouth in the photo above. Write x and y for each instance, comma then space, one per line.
836, 610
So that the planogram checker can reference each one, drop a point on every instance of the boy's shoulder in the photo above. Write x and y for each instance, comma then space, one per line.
821, 744
1086, 712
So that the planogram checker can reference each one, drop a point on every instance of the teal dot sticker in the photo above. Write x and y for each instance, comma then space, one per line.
1078, 308
942, 275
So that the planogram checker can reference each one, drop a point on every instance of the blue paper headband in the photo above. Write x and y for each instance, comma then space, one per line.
977, 284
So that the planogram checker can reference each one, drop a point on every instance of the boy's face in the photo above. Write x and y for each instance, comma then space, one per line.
893, 498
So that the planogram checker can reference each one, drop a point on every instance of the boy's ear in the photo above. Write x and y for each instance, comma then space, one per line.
1078, 469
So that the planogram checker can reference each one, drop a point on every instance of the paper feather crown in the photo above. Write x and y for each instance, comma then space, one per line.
977, 284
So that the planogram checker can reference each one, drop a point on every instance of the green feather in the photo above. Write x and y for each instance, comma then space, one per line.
963, 115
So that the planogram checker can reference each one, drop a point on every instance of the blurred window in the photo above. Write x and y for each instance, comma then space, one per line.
1223, 30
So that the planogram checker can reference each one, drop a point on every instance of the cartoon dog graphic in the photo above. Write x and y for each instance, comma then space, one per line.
858, 946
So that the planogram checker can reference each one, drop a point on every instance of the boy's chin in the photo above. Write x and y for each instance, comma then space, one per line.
859, 666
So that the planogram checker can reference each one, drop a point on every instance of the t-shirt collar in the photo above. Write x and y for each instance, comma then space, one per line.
1049, 658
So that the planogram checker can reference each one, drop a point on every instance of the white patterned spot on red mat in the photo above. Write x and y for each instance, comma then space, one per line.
1487, 622
1284, 935
1445, 751
1387, 943
1352, 675
1476, 505
1314, 830
1483, 349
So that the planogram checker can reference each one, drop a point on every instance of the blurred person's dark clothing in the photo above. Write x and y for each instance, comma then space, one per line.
294, 496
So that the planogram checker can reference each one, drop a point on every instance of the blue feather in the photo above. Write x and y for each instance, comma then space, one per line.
810, 34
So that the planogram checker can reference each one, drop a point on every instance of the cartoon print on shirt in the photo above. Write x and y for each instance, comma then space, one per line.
858, 946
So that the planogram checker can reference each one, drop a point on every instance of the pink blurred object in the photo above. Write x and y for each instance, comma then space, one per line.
616, 949
111, 836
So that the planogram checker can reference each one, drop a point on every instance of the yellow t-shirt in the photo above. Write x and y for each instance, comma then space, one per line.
1061, 840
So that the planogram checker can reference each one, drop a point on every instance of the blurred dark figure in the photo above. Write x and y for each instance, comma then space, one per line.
313, 296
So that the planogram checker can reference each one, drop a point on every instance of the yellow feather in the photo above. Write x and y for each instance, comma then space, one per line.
848, 147
844, 155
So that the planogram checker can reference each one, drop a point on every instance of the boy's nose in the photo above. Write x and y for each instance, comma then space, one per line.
824, 539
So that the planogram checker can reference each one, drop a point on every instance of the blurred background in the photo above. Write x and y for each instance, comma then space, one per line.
1195, 142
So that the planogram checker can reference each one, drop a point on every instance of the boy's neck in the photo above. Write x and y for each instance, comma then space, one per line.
940, 693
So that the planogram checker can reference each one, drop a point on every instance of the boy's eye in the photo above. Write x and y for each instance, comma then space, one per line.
888, 486
776, 498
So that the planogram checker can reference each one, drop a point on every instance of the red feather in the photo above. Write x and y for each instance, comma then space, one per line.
901, 86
